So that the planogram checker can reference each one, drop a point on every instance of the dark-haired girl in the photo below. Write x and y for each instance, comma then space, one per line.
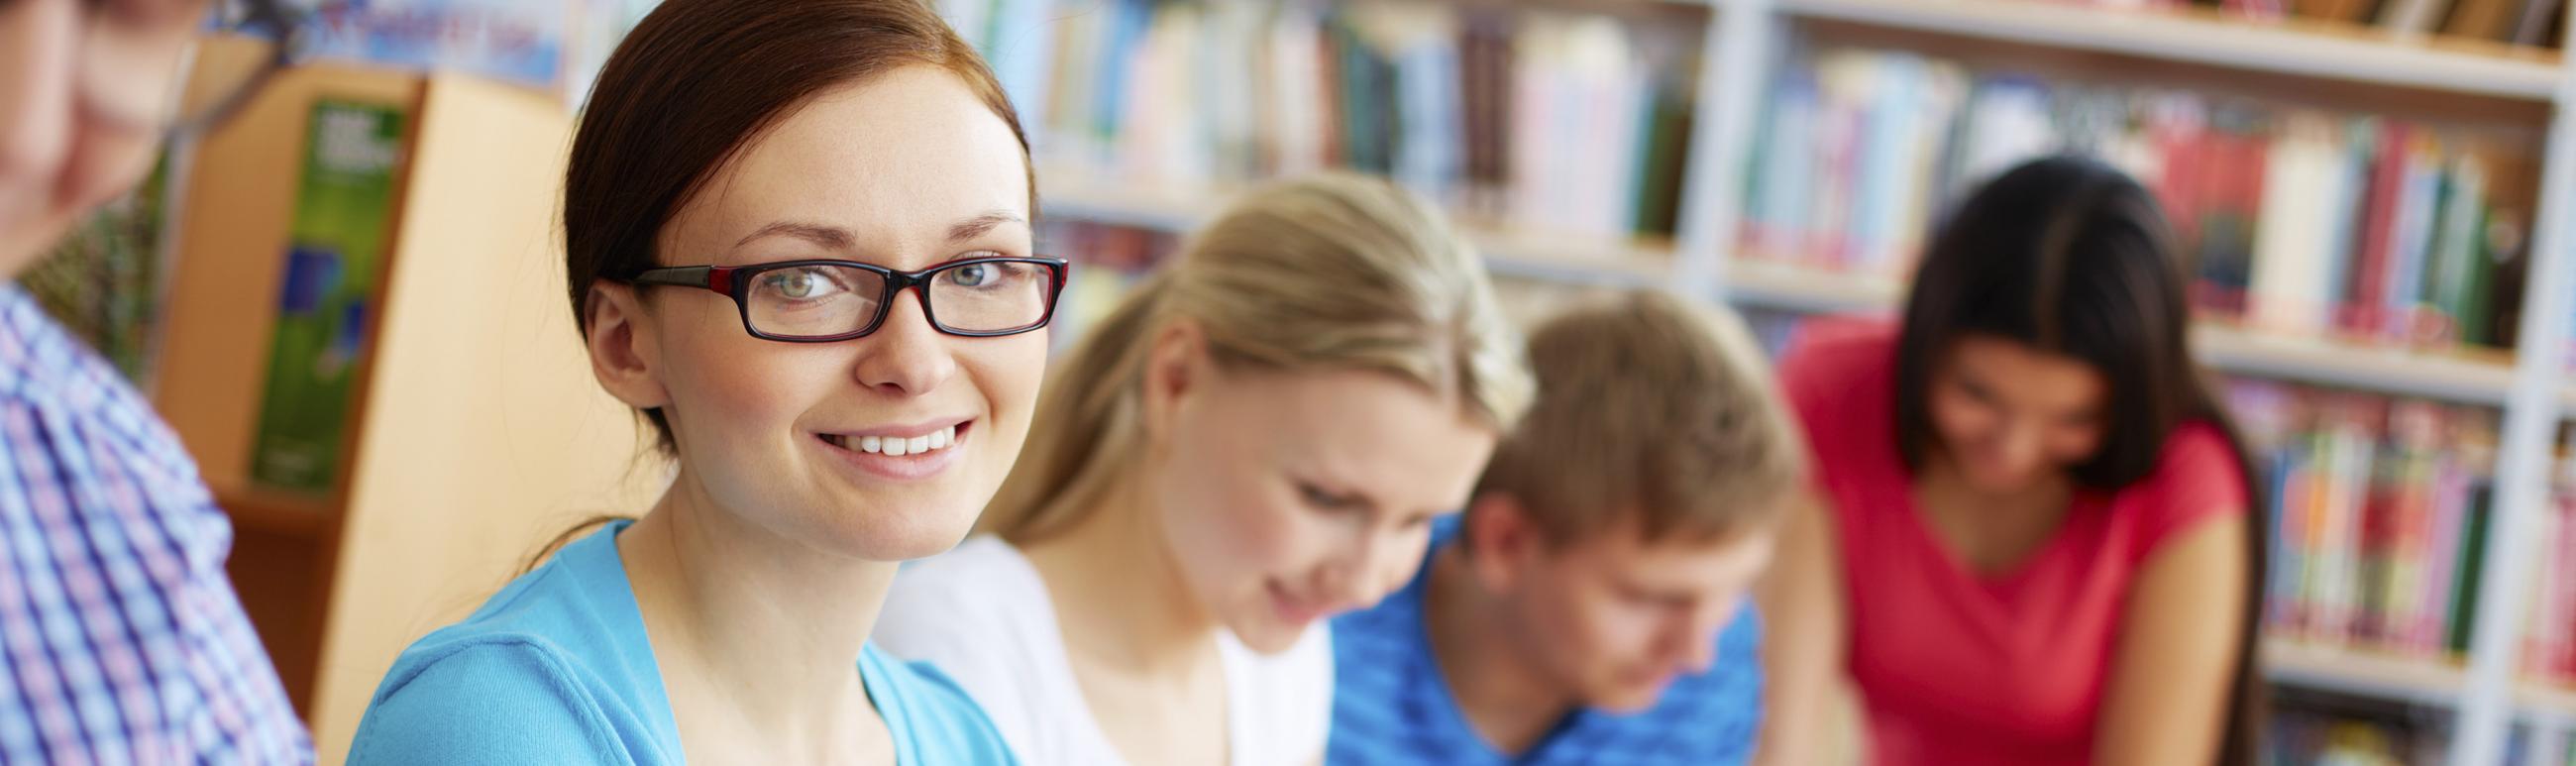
2030, 540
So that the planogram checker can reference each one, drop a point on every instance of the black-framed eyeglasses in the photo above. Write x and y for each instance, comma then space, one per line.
821, 301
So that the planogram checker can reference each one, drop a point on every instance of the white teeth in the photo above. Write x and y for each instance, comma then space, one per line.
897, 446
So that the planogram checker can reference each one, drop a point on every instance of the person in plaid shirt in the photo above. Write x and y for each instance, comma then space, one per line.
121, 640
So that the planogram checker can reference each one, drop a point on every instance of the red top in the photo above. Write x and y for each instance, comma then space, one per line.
1956, 667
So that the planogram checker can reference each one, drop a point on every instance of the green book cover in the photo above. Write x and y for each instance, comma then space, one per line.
2472, 562
2495, 237
1663, 153
335, 255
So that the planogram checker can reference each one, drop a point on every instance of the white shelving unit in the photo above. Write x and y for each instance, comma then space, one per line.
2416, 680
2365, 674
2530, 386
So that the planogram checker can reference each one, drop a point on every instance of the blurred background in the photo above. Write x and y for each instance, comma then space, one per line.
349, 301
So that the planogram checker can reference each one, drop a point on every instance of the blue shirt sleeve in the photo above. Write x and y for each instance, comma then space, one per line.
1739, 696
485, 703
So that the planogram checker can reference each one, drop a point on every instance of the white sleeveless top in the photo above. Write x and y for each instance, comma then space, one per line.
981, 613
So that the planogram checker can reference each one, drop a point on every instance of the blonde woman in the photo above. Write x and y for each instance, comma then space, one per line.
1256, 440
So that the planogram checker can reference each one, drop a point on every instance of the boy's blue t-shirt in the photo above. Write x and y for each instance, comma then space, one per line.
556, 669
1391, 704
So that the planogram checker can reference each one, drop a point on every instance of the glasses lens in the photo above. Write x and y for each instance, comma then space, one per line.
991, 296
813, 301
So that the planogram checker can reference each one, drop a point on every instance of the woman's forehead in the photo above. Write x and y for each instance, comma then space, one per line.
904, 156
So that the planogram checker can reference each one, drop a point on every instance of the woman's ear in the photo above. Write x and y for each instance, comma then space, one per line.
1175, 366
623, 354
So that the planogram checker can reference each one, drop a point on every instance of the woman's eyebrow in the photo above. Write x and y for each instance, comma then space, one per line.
833, 237
840, 239
979, 225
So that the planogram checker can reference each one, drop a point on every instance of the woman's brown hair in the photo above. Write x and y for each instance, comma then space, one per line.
2070, 256
697, 81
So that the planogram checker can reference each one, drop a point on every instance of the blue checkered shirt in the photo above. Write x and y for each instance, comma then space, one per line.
121, 641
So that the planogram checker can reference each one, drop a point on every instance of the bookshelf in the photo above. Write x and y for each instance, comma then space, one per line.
476, 432
2299, 63
2470, 376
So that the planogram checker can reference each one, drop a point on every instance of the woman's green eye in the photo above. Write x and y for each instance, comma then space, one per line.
797, 285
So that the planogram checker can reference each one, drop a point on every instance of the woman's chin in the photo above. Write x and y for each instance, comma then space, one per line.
1267, 635
901, 538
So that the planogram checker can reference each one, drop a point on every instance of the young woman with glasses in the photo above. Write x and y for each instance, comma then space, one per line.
798, 241
1255, 440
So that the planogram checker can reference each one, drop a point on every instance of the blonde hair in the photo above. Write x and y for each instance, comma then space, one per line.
1333, 271
1651, 406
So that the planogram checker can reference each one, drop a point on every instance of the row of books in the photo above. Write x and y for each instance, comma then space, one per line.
2379, 512
2381, 516
1572, 122
2519, 22
2294, 221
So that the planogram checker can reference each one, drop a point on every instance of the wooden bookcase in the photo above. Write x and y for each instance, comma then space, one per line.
478, 432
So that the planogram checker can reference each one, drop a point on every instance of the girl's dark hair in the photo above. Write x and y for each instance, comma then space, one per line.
2072, 257
695, 82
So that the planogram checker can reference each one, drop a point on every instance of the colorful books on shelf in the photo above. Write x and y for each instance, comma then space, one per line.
2519, 22
2294, 221
1557, 121
2379, 510
2382, 511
